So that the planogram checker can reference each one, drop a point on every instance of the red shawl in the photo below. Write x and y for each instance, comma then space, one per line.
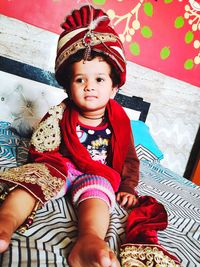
142, 225
120, 140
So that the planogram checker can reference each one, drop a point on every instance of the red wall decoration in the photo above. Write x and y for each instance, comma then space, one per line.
163, 35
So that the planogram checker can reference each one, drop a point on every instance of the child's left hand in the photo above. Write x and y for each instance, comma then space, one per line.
126, 200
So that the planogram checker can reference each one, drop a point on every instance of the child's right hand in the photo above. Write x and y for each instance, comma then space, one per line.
126, 200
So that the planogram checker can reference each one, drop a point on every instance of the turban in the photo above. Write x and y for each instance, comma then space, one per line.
88, 28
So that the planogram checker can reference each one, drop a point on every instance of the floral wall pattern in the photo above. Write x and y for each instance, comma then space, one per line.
163, 35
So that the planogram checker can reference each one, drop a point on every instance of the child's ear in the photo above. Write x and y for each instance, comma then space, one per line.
114, 92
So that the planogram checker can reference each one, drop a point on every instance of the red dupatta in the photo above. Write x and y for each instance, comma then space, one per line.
120, 141
47, 175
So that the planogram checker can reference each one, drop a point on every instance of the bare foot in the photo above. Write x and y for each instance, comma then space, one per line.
3, 245
91, 251
7, 227
13, 211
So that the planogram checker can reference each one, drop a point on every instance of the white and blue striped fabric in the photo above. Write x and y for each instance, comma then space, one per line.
8, 145
48, 241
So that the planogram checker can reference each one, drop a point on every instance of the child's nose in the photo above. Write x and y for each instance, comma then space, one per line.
89, 86
88, 89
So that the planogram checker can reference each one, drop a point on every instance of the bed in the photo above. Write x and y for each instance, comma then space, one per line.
48, 241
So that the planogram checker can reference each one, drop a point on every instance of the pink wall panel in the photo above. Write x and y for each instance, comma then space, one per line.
163, 35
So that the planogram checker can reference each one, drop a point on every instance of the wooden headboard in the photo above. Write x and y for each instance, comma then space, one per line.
135, 103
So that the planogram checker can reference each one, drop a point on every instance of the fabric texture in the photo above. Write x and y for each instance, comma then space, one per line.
145, 220
146, 255
142, 244
92, 186
88, 28
96, 140
48, 241
8, 146
22, 151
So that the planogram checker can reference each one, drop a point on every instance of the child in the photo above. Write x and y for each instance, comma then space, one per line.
84, 146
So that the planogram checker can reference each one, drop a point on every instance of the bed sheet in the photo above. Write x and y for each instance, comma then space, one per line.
181, 199
50, 238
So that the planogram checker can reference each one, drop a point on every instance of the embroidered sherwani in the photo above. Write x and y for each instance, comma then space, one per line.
55, 143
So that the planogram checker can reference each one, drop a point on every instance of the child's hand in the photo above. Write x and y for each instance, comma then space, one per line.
126, 200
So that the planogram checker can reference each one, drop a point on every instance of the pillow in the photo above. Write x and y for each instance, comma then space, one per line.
146, 147
26, 107
8, 144
132, 114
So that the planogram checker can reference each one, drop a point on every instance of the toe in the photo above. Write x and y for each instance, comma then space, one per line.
3, 245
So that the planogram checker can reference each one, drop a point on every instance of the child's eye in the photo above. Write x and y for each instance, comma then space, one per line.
99, 79
79, 80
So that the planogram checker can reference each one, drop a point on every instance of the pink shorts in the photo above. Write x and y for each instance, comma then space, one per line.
86, 186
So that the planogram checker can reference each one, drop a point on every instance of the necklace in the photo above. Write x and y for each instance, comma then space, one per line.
92, 118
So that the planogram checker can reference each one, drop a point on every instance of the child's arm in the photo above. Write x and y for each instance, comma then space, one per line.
127, 195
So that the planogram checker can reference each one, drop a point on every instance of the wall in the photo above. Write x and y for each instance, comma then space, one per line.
162, 35
173, 117
174, 113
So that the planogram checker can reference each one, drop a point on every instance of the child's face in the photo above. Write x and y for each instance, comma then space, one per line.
91, 85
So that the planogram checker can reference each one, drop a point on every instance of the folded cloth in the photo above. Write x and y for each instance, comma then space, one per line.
142, 247
145, 220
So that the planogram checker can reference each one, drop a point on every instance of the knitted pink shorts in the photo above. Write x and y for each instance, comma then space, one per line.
86, 186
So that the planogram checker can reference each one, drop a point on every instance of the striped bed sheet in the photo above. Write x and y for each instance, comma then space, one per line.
48, 241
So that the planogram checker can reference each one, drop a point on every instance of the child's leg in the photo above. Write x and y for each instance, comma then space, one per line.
90, 249
14, 210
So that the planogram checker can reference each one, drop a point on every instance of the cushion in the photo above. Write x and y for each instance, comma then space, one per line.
132, 114
146, 147
25, 104
9, 141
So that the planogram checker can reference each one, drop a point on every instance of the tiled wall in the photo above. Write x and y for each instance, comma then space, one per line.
174, 113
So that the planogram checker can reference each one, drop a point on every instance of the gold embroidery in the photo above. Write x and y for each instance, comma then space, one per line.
35, 173
47, 136
145, 256
97, 39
